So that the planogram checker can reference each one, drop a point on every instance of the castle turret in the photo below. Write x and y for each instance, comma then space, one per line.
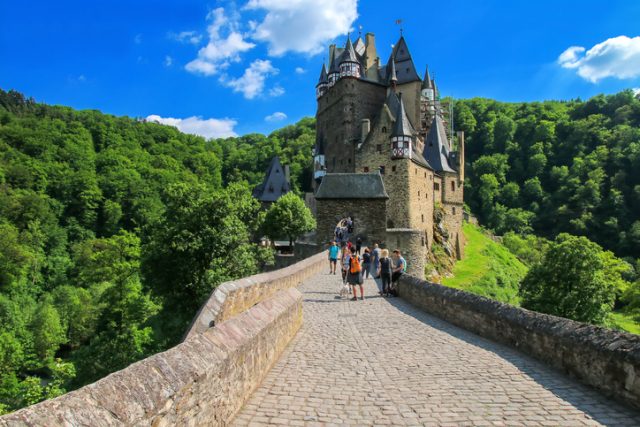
323, 82
334, 70
349, 64
402, 135
427, 87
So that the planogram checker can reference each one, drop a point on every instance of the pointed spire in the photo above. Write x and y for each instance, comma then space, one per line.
349, 54
436, 93
426, 82
393, 77
436, 147
402, 126
323, 75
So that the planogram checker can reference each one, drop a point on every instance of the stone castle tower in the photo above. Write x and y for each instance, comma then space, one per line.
384, 153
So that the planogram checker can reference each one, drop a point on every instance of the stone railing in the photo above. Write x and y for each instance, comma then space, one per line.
605, 359
231, 298
206, 379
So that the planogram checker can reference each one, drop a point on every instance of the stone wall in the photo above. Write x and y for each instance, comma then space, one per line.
412, 245
232, 298
605, 359
203, 381
369, 218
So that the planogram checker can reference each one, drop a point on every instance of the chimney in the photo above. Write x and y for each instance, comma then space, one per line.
365, 126
332, 49
370, 50
461, 155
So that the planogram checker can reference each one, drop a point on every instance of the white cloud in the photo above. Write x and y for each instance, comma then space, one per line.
636, 91
276, 117
276, 91
168, 61
251, 84
302, 25
220, 51
300, 70
191, 37
615, 57
208, 128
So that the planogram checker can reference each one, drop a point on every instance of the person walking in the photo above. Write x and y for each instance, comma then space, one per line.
358, 245
354, 275
346, 256
366, 263
333, 257
384, 272
375, 264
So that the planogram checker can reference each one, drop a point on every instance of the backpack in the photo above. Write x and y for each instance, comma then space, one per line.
355, 265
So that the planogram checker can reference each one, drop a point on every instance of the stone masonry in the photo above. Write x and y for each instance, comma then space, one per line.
386, 362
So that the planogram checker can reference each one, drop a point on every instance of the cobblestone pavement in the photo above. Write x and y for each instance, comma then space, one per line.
383, 362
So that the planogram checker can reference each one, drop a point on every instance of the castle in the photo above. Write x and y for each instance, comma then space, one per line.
384, 154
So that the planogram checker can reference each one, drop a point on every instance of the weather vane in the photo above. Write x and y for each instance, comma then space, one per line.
399, 22
359, 30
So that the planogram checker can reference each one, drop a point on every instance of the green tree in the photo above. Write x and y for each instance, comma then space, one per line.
576, 279
288, 216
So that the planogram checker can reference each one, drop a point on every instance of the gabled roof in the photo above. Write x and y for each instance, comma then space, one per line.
359, 46
436, 147
426, 82
402, 126
405, 69
275, 183
352, 186
323, 75
392, 102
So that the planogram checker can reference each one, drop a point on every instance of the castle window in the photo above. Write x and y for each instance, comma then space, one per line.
422, 217
349, 161
422, 241
453, 210
379, 148
436, 186
453, 186
393, 168
416, 171
425, 174
381, 170
366, 169
384, 129
418, 194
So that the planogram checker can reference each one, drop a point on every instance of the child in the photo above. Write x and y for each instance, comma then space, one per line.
346, 256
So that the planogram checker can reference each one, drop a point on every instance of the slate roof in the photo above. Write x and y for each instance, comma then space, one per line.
352, 186
348, 55
275, 183
426, 82
323, 75
405, 69
393, 76
402, 126
436, 147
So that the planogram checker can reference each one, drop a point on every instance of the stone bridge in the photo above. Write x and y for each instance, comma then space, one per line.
250, 359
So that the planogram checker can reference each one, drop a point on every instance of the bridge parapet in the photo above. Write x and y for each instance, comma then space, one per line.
602, 358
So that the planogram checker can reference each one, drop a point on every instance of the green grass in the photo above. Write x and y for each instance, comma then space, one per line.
488, 268
625, 321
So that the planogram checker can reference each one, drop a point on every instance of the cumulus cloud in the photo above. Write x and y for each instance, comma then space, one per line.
615, 57
302, 25
276, 91
191, 37
168, 61
220, 51
208, 128
636, 91
276, 117
300, 70
251, 83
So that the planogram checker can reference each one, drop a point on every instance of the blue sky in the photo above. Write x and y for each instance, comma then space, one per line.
222, 68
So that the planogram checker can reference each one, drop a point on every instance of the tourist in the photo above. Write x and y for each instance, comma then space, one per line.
375, 261
333, 257
384, 272
358, 245
346, 256
399, 267
366, 263
354, 275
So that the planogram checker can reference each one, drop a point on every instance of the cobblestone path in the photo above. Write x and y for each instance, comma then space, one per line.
383, 362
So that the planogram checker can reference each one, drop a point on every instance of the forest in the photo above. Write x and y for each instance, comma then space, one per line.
113, 230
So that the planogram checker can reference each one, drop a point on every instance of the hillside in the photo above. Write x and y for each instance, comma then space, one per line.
488, 268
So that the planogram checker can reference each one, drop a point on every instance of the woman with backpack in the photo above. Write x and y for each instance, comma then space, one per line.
384, 272
354, 275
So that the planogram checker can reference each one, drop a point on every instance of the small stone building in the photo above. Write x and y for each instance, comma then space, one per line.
384, 120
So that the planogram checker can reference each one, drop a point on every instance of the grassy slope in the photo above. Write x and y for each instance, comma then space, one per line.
488, 268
